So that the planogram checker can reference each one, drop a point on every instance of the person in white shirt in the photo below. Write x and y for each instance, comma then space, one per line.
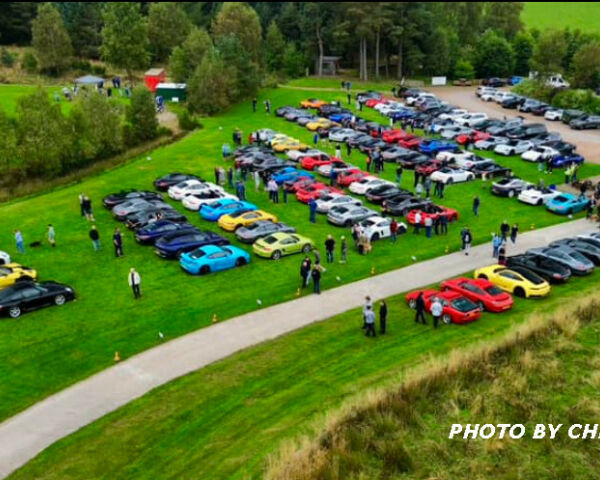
134, 281
417, 222
368, 304
436, 311
370, 321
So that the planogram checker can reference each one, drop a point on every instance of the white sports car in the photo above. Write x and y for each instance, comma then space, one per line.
341, 134
177, 192
363, 186
513, 147
449, 175
490, 143
471, 119
539, 153
331, 200
453, 114
535, 196
4, 258
454, 156
180, 192
325, 170
553, 114
379, 227
195, 201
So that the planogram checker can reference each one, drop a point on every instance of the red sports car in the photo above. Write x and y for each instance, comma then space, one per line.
393, 135
433, 211
375, 101
299, 184
313, 161
315, 191
347, 177
472, 137
430, 166
455, 307
482, 292
410, 141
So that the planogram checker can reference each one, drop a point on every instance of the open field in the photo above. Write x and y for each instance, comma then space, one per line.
584, 16
223, 421
48, 350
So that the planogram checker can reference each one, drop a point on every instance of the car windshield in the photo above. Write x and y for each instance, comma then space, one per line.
578, 256
494, 290
340, 210
270, 240
561, 199
463, 305
198, 253
529, 275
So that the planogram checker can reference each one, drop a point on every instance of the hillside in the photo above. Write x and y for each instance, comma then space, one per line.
403, 433
584, 16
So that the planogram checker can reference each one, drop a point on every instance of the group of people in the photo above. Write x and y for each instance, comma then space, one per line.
368, 313
423, 183
436, 309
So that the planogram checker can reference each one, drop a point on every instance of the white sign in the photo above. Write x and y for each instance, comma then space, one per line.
438, 81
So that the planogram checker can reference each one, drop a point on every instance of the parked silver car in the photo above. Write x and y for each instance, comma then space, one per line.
347, 215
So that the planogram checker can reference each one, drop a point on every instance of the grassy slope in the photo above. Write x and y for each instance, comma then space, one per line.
546, 372
221, 422
584, 16
48, 350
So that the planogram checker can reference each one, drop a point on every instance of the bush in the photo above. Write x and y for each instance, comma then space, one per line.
464, 69
584, 100
82, 66
98, 69
535, 89
164, 131
187, 122
7, 58
30, 63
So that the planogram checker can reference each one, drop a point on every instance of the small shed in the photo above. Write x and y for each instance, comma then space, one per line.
330, 65
153, 77
172, 92
89, 80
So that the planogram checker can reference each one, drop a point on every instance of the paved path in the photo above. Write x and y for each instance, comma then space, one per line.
26, 434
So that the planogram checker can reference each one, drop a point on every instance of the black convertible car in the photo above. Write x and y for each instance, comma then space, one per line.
26, 296
378, 194
545, 267
491, 170
144, 217
153, 231
400, 206
174, 244
163, 183
114, 199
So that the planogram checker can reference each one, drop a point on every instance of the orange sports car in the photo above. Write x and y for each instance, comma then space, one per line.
312, 103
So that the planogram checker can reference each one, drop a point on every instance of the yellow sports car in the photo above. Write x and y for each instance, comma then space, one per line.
321, 123
13, 272
238, 219
312, 103
516, 280
280, 137
289, 144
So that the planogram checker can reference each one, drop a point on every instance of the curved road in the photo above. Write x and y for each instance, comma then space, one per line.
26, 434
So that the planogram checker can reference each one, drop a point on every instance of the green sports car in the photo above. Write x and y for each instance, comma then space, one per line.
279, 244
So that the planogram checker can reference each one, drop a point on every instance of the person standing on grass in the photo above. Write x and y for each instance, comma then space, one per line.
427, 186
393, 230
338, 151
51, 236
256, 176
241, 191
134, 281
329, 248
317, 258
343, 250
428, 226
436, 311
118, 243
383, 312
368, 164
81, 197
476, 203
268, 106
230, 177
312, 207
316, 139
367, 306
370, 322
20, 243
316, 278
87, 208
514, 231
349, 96
399, 172
420, 309
333, 177
417, 224
504, 229
254, 102
444, 223
355, 233
348, 150
95, 237
419, 190
304, 271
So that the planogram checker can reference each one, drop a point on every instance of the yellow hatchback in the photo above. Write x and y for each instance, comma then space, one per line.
239, 219
516, 280
13, 272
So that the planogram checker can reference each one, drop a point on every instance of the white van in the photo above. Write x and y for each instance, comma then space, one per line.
557, 81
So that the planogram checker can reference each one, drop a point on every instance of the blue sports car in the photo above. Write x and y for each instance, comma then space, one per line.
290, 174
403, 113
340, 117
153, 231
567, 203
433, 147
561, 161
213, 211
211, 258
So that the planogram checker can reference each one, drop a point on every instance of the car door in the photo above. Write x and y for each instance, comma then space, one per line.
219, 260
31, 298
290, 245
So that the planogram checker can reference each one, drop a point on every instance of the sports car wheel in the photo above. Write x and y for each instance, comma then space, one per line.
539, 202
348, 223
24, 278
511, 193
450, 181
519, 292
482, 276
306, 248
240, 262
412, 303
375, 237
447, 319
204, 270
570, 211
60, 300
14, 312
276, 255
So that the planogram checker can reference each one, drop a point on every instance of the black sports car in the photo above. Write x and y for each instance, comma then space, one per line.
174, 244
144, 217
371, 145
163, 183
491, 170
281, 111
116, 198
153, 231
592, 252
400, 206
412, 160
378, 194
545, 267
26, 296
354, 142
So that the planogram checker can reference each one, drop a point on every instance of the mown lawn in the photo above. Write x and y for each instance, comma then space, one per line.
584, 16
45, 351
224, 420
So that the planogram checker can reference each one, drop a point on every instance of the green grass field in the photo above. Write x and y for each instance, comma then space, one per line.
48, 350
224, 420
584, 16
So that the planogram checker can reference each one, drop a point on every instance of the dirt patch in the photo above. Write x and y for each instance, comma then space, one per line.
169, 119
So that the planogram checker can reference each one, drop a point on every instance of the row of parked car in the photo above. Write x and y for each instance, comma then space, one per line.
576, 119
529, 275
20, 291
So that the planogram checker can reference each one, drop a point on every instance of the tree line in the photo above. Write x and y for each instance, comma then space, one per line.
42, 141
